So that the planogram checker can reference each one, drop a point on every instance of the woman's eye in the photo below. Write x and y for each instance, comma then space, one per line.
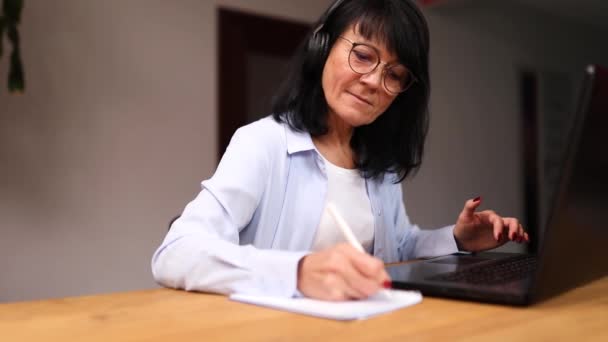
363, 56
395, 76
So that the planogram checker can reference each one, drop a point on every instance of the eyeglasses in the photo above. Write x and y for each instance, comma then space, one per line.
364, 59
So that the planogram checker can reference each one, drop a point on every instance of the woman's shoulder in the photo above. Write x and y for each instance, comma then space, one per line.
264, 128
264, 133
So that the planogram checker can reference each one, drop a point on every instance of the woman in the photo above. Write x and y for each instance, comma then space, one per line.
348, 126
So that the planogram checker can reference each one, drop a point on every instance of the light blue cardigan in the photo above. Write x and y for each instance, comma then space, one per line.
257, 216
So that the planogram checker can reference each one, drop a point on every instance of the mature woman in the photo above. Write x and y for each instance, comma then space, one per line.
348, 126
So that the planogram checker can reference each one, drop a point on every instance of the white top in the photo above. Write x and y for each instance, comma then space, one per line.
346, 190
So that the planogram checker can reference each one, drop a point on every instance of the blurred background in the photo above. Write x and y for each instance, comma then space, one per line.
129, 103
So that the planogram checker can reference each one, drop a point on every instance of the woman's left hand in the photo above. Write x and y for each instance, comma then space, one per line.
479, 231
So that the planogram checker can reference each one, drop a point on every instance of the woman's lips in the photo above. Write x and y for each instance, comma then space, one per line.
362, 99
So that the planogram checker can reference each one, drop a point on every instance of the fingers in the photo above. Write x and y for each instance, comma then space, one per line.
507, 229
368, 266
476, 231
497, 225
338, 289
516, 231
513, 228
469, 208
363, 273
341, 273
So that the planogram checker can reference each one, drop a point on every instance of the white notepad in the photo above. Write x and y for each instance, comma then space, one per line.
385, 301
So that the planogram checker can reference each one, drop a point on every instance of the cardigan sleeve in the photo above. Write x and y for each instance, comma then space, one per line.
201, 251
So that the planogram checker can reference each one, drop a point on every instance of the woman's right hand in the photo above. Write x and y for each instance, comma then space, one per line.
341, 273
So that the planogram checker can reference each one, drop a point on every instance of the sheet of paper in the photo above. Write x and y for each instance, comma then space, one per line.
384, 301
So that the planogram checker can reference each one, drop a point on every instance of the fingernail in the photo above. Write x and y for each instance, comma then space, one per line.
387, 284
477, 199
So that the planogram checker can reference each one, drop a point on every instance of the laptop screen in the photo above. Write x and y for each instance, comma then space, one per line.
575, 248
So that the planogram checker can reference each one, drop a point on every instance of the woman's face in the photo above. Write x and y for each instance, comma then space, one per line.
354, 98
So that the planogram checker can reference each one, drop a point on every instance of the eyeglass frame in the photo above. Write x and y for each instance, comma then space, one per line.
387, 66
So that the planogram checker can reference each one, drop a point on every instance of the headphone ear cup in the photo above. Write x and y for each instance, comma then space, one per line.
318, 43
318, 46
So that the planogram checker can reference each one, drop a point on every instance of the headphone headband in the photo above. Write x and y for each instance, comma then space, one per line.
318, 43
326, 15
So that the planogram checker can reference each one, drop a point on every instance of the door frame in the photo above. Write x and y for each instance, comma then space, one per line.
241, 33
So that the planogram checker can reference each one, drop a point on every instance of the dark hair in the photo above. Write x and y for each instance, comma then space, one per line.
394, 142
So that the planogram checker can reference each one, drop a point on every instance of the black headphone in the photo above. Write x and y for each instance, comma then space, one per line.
318, 43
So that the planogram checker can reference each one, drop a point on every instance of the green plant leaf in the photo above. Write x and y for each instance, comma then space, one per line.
16, 82
12, 10
2, 26
13, 35
9, 18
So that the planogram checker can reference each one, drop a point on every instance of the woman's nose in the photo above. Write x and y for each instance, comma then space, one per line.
373, 79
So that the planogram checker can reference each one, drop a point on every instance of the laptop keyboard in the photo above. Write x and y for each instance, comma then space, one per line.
493, 272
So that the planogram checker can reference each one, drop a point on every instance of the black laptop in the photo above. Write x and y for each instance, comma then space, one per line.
574, 248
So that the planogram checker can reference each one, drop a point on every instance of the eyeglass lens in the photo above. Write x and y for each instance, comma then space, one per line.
364, 59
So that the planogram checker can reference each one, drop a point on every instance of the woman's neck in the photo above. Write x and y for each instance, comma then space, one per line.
335, 144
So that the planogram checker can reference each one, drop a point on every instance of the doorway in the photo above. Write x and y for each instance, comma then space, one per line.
254, 52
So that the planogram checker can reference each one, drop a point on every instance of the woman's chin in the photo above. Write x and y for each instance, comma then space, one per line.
356, 118
361, 120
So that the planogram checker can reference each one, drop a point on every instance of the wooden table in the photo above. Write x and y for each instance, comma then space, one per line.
170, 315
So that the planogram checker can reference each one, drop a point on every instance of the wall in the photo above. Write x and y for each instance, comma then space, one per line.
474, 148
111, 139
117, 129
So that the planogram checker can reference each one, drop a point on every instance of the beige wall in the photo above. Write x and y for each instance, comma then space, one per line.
111, 139
475, 141
117, 129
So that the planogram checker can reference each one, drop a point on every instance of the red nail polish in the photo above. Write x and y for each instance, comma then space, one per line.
387, 284
477, 199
